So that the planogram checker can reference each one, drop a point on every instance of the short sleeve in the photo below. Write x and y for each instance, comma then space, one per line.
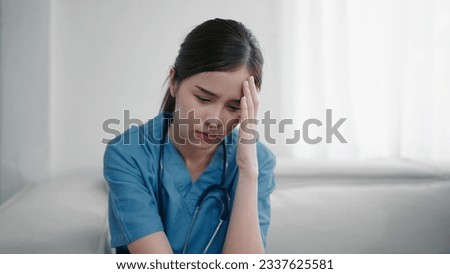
266, 185
133, 208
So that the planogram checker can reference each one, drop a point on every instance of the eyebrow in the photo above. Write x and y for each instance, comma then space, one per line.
210, 93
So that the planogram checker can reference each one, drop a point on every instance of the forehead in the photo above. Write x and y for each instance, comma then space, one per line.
221, 82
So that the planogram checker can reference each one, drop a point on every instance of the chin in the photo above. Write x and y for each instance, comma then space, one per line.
202, 144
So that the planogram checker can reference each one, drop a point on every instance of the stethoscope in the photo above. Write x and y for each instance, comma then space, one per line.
224, 199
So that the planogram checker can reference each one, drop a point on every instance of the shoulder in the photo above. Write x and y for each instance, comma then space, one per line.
266, 167
265, 155
136, 141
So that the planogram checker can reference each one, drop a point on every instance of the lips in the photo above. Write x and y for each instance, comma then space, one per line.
208, 136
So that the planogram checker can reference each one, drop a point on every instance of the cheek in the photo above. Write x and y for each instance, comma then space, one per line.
184, 105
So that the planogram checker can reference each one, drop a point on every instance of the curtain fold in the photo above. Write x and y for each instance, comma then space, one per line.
382, 65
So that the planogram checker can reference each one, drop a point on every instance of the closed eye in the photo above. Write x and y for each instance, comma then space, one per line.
233, 108
203, 99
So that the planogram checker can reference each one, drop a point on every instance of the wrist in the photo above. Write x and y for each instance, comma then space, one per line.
248, 174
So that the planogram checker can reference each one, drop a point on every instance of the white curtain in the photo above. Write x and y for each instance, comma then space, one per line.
383, 65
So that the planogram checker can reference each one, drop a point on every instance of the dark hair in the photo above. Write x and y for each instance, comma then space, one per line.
216, 45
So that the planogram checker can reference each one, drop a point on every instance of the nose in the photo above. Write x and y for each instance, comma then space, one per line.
213, 124
213, 121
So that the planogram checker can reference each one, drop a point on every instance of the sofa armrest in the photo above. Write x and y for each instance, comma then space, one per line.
65, 215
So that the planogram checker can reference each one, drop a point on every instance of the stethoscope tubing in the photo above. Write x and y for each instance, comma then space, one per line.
225, 205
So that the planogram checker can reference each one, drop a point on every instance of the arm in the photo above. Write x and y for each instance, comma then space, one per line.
243, 235
133, 215
155, 243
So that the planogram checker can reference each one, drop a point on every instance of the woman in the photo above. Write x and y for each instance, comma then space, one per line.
186, 182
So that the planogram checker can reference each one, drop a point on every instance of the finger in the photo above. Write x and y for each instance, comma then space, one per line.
247, 125
249, 101
244, 115
254, 93
244, 109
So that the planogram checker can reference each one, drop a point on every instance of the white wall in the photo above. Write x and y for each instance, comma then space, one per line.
114, 55
68, 65
24, 104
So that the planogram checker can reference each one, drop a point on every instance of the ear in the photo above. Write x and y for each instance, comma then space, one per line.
172, 83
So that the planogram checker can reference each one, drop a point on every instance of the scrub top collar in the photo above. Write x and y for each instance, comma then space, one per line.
176, 173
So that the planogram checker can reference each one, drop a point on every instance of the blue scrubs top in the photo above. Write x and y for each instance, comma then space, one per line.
131, 163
